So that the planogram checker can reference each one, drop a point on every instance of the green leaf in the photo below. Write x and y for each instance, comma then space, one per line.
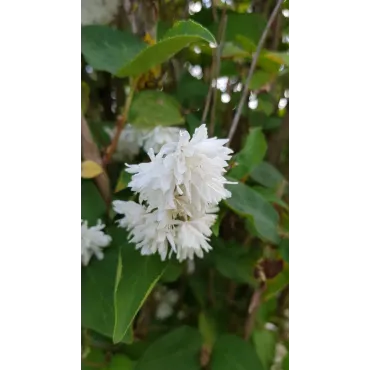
277, 284
251, 155
285, 363
97, 289
123, 180
172, 272
191, 91
266, 104
234, 262
230, 50
181, 35
265, 341
207, 328
137, 279
272, 61
247, 44
284, 249
98, 285
108, 49
250, 26
92, 204
123, 54
270, 196
198, 287
260, 79
248, 203
94, 357
233, 353
121, 362
177, 350
267, 175
153, 108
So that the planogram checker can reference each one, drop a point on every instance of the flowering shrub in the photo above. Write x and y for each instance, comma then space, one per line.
185, 216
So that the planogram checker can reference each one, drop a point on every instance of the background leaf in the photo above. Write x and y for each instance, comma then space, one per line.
251, 154
155, 108
233, 353
267, 175
248, 203
265, 342
177, 350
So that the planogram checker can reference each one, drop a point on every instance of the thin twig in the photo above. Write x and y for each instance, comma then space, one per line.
216, 71
243, 98
214, 11
120, 124
208, 100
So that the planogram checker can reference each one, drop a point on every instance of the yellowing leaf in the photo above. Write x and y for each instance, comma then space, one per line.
90, 169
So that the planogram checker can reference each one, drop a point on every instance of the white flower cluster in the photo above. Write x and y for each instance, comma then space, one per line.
179, 190
92, 240
98, 11
132, 139
166, 301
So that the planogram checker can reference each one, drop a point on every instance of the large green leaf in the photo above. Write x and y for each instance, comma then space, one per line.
97, 290
152, 108
108, 49
98, 285
267, 175
248, 203
92, 204
251, 155
177, 350
139, 275
233, 353
122, 54
182, 34
265, 341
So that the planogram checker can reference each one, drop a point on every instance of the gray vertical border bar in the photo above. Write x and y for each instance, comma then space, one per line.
292, 180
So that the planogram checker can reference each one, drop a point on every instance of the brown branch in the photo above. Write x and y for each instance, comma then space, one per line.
120, 124
91, 152
244, 96
252, 310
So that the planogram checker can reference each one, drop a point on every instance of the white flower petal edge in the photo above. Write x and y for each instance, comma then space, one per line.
155, 139
132, 139
179, 190
93, 239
